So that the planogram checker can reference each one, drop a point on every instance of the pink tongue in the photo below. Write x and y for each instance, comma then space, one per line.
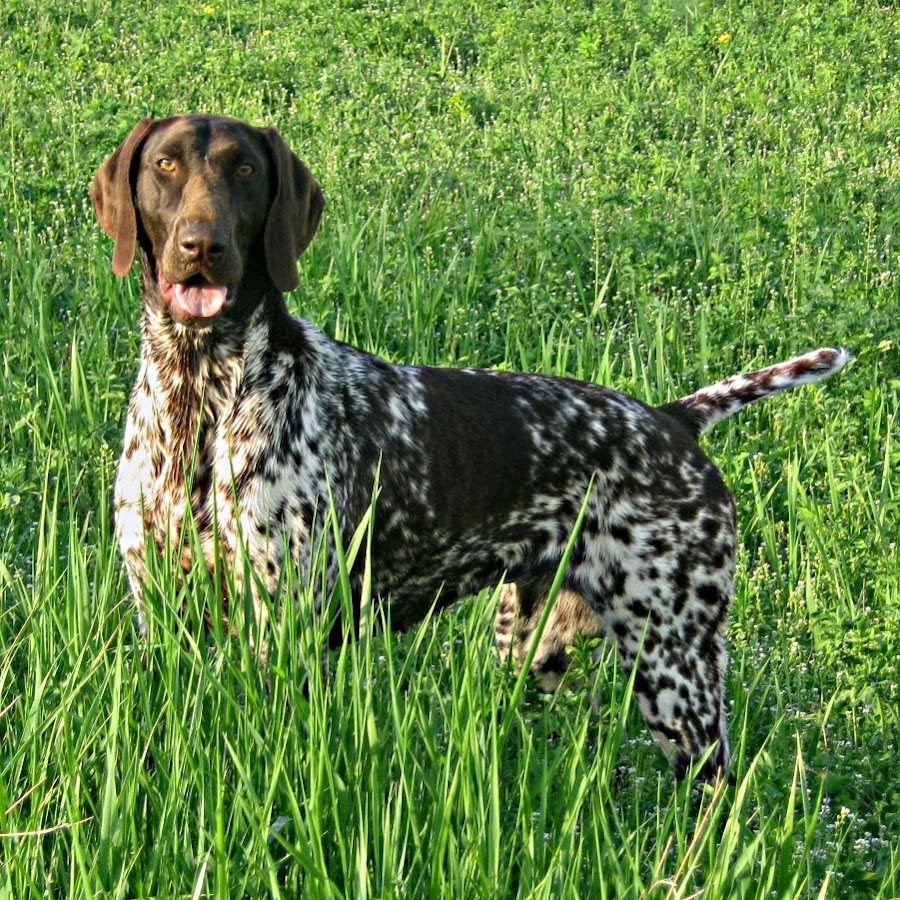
198, 301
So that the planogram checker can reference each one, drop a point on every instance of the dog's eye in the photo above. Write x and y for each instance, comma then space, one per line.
245, 169
166, 164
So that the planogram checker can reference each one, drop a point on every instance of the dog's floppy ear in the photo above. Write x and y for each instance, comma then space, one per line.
294, 213
112, 194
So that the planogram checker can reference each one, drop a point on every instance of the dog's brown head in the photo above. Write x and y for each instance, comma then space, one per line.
214, 202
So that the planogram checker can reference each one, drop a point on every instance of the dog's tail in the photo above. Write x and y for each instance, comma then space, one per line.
703, 408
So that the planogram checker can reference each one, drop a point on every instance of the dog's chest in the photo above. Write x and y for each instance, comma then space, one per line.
203, 470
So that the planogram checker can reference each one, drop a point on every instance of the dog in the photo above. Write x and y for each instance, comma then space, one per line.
249, 424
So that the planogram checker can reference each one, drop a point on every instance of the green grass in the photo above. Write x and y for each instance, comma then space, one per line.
652, 195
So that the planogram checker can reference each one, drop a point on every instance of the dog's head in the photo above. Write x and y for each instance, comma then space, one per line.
216, 204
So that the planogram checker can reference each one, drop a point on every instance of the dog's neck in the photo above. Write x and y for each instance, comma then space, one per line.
183, 345
194, 378
194, 374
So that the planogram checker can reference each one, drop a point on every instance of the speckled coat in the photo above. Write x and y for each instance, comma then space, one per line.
254, 423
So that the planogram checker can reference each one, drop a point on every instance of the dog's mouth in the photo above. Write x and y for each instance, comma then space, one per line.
195, 300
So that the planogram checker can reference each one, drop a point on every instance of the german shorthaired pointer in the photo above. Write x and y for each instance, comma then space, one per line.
247, 424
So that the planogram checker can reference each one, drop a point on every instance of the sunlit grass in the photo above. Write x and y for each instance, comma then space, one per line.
617, 195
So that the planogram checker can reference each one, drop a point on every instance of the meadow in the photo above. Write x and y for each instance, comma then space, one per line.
652, 195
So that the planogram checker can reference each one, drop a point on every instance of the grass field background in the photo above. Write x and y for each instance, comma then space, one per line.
652, 195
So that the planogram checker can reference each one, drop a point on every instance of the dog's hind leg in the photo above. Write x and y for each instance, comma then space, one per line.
664, 597
518, 616
679, 688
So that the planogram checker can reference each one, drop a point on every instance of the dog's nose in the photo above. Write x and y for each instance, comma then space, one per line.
201, 240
